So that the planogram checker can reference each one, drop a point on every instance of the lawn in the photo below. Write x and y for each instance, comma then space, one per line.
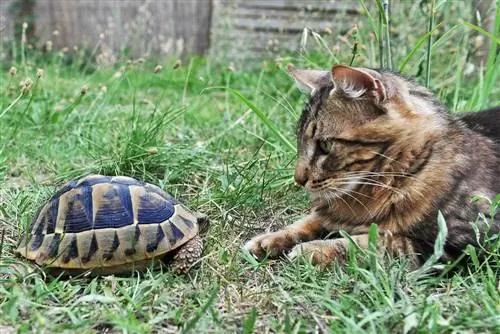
221, 137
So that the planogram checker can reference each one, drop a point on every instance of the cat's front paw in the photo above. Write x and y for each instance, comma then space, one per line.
270, 244
319, 252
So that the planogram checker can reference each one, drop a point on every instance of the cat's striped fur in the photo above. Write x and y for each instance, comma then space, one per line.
377, 148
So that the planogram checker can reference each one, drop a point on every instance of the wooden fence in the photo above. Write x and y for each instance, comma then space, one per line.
137, 26
246, 29
234, 29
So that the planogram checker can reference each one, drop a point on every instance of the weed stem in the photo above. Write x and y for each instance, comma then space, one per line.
12, 104
429, 44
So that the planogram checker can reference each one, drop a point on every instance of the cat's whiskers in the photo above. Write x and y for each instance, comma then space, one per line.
381, 184
387, 157
330, 183
343, 200
360, 194
325, 195
330, 197
346, 192
331, 194
328, 190
389, 174
377, 184
400, 174
356, 178
394, 189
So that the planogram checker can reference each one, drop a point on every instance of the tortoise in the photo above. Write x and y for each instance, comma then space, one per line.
111, 225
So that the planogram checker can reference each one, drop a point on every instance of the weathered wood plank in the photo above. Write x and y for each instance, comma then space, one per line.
320, 5
244, 29
283, 25
165, 27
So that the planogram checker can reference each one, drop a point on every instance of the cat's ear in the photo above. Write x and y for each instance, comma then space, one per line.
358, 82
309, 81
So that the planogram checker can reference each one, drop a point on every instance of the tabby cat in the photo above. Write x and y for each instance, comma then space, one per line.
377, 148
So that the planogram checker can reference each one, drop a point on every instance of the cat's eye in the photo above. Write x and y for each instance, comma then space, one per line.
325, 146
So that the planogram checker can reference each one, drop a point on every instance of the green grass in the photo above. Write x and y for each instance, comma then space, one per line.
220, 141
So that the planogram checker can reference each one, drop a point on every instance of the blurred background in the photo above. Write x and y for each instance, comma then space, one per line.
237, 30
173, 27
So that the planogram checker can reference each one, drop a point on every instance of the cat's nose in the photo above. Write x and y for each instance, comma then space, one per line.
301, 174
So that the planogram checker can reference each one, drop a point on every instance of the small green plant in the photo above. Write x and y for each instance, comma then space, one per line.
138, 146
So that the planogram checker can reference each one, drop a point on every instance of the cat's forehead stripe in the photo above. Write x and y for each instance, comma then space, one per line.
321, 96
311, 129
313, 107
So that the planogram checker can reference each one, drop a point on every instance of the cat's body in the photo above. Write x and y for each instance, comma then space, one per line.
486, 122
376, 148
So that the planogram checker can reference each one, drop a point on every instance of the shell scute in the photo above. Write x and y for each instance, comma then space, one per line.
175, 233
112, 206
35, 242
43, 254
91, 180
110, 252
157, 190
53, 249
78, 212
125, 180
71, 251
45, 219
154, 209
155, 240
131, 239
90, 249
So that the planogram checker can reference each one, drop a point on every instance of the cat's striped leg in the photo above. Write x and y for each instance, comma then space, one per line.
323, 252
275, 243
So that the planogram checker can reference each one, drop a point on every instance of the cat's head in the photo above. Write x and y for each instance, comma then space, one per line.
356, 123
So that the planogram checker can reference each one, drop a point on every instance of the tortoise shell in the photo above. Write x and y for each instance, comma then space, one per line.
107, 222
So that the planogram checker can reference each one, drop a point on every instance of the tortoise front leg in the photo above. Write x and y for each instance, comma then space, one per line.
187, 255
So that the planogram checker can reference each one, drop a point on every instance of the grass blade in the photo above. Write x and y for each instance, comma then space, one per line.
263, 117
381, 22
1, 242
417, 47
493, 58
192, 322
370, 17
494, 39
11, 105
438, 247
429, 44
249, 323
387, 36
